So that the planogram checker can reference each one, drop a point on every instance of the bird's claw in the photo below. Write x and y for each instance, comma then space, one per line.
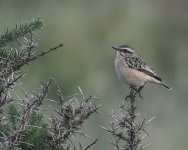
135, 92
128, 97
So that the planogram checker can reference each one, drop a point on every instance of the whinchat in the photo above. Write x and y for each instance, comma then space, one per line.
131, 69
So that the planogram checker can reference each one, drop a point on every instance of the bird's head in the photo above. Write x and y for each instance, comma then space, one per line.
124, 50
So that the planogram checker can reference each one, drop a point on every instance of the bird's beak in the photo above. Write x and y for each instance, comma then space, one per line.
115, 48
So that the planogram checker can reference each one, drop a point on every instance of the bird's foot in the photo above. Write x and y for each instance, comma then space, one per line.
134, 89
139, 94
127, 98
138, 91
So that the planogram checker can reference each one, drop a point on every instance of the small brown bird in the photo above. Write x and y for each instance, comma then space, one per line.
131, 69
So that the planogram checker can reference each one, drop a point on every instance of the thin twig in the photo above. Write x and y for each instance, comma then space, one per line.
90, 145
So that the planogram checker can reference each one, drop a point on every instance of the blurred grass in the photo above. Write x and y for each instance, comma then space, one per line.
88, 29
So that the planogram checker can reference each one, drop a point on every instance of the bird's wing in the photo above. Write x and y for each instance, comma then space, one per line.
138, 64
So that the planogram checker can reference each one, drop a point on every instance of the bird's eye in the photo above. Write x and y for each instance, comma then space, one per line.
125, 51
128, 52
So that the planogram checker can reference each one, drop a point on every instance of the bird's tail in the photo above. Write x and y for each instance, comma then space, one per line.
159, 81
166, 86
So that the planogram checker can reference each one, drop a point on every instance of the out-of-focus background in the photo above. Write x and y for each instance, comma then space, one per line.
158, 30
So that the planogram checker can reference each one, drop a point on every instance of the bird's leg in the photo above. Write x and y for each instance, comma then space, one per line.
138, 91
134, 89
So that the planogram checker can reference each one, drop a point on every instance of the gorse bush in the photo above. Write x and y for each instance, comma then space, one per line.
22, 125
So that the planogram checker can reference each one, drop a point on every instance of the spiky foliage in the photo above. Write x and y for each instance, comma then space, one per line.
20, 31
19, 119
22, 125
13, 57
67, 121
25, 127
127, 130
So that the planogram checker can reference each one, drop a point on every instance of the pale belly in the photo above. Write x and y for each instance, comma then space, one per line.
130, 76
